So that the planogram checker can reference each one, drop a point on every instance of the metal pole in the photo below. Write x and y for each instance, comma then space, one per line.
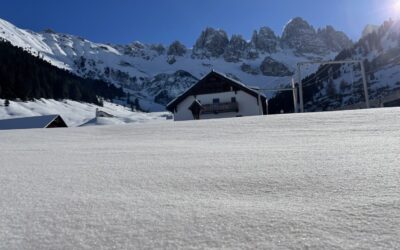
365, 84
300, 88
260, 104
294, 96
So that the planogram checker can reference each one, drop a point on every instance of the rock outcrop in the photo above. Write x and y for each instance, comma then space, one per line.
302, 37
176, 49
236, 49
265, 40
211, 43
271, 67
335, 41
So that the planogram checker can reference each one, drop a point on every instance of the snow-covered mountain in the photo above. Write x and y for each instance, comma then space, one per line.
370, 28
156, 73
337, 86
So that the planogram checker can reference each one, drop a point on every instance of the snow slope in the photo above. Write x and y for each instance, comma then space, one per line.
77, 113
304, 181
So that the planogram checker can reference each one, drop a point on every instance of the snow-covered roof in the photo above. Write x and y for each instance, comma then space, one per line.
29, 122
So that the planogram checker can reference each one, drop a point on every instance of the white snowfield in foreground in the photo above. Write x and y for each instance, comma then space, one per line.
319, 181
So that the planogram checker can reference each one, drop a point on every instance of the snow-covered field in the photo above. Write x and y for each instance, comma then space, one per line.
319, 181
77, 113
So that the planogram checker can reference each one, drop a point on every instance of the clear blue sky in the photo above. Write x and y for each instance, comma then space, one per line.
154, 21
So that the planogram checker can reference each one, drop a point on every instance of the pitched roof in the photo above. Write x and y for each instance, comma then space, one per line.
29, 122
171, 106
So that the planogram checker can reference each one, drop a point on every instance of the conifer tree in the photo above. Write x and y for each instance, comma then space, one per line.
27, 77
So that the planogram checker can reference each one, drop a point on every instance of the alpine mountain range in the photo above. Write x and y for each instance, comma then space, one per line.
154, 74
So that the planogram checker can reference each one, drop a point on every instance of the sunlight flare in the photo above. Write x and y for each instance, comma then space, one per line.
396, 7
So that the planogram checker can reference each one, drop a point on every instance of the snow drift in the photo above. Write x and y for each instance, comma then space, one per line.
321, 181
77, 113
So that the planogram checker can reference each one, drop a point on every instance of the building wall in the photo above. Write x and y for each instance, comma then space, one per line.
247, 105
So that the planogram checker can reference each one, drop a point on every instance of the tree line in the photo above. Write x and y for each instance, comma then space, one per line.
27, 77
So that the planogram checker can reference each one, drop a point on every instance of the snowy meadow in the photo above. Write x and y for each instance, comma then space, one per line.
77, 113
318, 180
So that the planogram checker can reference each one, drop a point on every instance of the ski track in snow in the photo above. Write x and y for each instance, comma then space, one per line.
319, 181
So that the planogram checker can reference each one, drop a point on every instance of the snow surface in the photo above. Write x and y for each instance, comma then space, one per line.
319, 181
77, 113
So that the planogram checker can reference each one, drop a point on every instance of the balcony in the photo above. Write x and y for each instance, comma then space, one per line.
216, 108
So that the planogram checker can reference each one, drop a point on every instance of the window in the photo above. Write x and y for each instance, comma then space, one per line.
233, 99
216, 100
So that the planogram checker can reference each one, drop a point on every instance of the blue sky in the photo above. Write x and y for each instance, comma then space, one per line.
163, 21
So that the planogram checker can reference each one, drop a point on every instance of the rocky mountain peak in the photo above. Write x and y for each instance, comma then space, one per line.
298, 25
211, 43
236, 49
176, 49
49, 31
299, 35
264, 40
370, 28
137, 45
334, 40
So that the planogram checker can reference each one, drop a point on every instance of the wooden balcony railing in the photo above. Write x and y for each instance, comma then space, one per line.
216, 108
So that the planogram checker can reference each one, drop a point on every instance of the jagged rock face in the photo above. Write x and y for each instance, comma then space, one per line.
159, 48
369, 29
302, 37
165, 87
171, 60
125, 80
379, 49
136, 49
49, 31
236, 49
176, 49
249, 69
335, 40
211, 43
271, 67
265, 40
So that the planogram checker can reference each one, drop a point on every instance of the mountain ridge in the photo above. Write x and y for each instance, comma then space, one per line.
339, 86
156, 73
142, 68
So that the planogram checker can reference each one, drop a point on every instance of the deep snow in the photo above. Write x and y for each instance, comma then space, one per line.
318, 180
78, 113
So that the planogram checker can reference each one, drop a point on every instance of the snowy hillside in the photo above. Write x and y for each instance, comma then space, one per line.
77, 113
334, 87
156, 73
306, 181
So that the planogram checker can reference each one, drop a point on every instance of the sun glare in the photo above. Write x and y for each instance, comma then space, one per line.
396, 7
